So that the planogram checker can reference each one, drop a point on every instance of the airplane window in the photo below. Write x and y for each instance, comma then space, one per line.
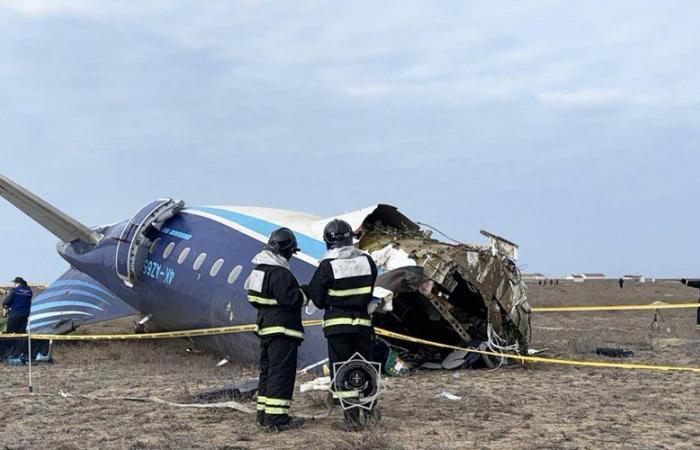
154, 246
233, 276
183, 255
216, 267
168, 250
199, 261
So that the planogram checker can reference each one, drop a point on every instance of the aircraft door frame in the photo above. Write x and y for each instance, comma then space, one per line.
135, 240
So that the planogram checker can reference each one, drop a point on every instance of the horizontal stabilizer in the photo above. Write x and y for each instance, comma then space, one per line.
66, 228
72, 301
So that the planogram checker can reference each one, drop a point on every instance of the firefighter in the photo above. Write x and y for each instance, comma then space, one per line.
342, 286
275, 293
19, 303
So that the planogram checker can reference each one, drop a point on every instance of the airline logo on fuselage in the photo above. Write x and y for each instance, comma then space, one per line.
177, 234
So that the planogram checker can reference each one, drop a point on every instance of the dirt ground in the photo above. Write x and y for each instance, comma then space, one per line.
531, 407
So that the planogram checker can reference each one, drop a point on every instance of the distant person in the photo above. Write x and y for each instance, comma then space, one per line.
697, 318
694, 284
622, 283
18, 303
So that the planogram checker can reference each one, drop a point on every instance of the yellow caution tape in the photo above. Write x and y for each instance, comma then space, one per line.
379, 331
523, 359
148, 336
615, 307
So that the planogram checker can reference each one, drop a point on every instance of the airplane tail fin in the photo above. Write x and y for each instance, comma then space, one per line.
57, 222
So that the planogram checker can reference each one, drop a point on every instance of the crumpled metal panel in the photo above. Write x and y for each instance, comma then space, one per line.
489, 269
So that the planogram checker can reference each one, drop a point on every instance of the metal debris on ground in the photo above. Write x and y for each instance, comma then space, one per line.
614, 352
448, 396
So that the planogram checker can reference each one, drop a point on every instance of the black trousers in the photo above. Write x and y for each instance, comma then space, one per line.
278, 371
17, 324
342, 347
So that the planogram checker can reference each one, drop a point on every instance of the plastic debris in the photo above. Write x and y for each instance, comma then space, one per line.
15, 362
390, 258
448, 396
455, 360
317, 384
395, 366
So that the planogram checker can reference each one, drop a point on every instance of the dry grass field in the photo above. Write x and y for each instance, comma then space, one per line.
532, 407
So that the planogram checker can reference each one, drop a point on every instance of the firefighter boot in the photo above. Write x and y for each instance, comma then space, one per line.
351, 421
292, 424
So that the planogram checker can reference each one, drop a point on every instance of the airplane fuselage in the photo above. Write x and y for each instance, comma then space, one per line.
193, 277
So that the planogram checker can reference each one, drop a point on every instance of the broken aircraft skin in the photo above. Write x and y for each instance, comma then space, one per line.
184, 267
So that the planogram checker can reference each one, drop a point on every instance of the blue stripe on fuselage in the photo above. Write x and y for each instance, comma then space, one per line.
55, 304
81, 283
310, 246
49, 293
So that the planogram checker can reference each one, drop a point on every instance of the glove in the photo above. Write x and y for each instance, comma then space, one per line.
373, 305
382, 301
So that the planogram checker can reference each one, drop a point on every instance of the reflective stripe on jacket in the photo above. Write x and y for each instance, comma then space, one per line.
343, 287
274, 291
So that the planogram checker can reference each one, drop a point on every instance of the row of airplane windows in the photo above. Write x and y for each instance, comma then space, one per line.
215, 268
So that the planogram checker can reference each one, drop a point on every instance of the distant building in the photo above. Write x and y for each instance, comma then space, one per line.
8, 287
533, 277
576, 278
639, 279
593, 276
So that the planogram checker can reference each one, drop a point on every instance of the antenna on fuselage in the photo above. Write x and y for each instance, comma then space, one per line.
63, 226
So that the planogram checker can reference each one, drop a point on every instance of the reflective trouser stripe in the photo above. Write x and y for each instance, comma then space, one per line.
345, 394
278, 402
346, 321
286, 331
275, 405
262, 300
276, 409
349, 292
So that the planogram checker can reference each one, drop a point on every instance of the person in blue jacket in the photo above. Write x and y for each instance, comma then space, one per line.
19, 304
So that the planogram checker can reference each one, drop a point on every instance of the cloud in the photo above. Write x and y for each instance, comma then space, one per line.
38, 8
585, 97
559, 53
487, 113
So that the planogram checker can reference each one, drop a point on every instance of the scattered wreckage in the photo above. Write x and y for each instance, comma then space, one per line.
457, 294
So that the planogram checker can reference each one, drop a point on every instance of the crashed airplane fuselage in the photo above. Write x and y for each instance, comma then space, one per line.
184, 267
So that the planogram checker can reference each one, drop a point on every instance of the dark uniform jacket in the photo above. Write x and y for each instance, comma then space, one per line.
19, 301
274, 291
342, 286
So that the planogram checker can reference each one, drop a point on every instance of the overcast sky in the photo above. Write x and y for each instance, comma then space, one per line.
569, 127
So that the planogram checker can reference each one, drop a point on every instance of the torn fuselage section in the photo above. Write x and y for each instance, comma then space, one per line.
453, 294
